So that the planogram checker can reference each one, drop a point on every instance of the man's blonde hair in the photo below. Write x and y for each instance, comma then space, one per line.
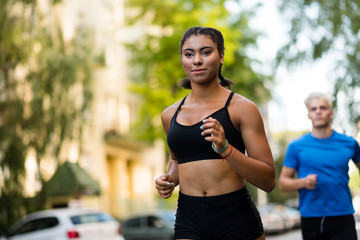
317, 95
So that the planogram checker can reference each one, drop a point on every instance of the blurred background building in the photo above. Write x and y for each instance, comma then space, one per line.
125, 169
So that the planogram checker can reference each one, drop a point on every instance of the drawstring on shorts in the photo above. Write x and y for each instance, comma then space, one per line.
322, 224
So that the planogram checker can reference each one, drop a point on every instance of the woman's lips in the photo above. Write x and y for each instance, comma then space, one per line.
198, 71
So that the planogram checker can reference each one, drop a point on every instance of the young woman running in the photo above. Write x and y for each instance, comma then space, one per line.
217, 142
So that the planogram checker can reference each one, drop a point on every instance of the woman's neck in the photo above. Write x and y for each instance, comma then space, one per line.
202, 93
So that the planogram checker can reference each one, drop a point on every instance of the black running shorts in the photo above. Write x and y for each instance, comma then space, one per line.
226, 217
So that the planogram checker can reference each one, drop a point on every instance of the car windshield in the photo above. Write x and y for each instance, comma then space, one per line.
34, 225
91, 218
169, 216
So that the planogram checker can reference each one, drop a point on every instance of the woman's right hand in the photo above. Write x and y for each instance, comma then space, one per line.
165, 185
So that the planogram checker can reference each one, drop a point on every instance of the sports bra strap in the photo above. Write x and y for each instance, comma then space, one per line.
226, 104
182, 102
229, 99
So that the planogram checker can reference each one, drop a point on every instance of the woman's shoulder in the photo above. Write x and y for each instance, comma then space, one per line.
242, 110
169, 112
242, 103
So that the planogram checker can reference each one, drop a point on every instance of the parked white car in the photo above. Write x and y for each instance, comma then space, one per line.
66, 224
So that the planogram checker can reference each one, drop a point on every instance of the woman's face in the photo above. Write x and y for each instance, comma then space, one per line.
201, 59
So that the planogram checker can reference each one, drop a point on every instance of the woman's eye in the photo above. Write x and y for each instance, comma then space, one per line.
188, 54
206, 53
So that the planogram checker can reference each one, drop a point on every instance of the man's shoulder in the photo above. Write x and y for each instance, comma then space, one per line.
343, 137
303, 138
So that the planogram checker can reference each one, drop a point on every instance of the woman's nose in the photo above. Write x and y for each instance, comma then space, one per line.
197, 59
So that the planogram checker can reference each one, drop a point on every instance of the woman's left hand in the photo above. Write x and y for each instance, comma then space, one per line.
214, 132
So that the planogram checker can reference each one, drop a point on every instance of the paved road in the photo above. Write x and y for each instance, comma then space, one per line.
291, 235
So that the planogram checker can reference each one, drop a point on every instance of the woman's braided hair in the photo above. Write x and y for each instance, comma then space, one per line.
215, 36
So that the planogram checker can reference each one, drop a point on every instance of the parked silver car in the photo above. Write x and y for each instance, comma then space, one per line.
279, 218
153, 226
273, 222
65, 224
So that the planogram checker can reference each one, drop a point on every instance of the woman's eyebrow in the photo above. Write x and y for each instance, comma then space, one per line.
190, 49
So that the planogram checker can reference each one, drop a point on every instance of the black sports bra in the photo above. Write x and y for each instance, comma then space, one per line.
187, 143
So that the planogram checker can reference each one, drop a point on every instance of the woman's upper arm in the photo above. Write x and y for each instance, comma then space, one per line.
166, 117
165, 120
253, 132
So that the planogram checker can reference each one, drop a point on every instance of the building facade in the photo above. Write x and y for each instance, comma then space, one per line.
125, 169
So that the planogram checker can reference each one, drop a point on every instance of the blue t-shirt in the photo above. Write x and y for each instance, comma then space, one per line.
329, 159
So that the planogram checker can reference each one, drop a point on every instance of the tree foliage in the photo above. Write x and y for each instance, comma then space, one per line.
280, 142
44, 93
321, 28
155, 58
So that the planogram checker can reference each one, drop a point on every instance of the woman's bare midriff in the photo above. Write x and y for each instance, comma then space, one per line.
208, 178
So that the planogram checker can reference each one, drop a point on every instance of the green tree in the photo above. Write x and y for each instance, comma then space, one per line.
44, 93
155, 58
280, 142
321, 29
14, 50
59, 80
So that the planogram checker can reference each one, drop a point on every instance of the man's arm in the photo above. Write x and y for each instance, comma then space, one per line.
287, 182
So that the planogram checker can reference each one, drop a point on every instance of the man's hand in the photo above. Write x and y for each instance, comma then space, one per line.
310, 181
